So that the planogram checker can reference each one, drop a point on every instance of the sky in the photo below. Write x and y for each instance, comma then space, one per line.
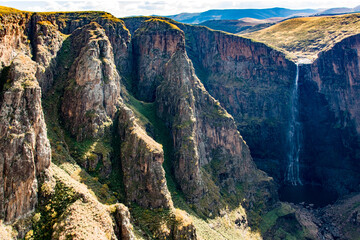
123, 8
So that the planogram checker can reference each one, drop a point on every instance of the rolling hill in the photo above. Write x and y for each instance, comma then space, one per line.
241, 26
308, 36
231, 14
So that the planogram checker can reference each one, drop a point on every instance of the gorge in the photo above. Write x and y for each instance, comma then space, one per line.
147, 128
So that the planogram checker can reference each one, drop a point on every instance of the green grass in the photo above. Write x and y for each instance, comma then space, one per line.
76, 15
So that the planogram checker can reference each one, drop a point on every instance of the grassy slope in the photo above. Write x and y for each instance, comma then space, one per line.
306, 37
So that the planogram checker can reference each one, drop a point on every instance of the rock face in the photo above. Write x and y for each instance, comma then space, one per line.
122, 216
204, 135
330, 117
153, 45
46, 43
142, 159
83, 216
253, 83
119, 36
13, 36
25, 150
93, 92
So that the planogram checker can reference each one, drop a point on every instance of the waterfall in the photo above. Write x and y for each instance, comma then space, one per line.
294, 138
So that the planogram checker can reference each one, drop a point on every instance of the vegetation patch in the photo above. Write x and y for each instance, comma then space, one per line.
50, 209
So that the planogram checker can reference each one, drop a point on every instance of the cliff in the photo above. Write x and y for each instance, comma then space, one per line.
160, 37
142, 159
25, 150
13, 35
93, 89
330, 117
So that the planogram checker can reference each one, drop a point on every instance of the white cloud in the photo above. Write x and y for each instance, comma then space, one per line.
121, 8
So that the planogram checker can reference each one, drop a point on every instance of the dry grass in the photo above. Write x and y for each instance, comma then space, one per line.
5, 10
306, 37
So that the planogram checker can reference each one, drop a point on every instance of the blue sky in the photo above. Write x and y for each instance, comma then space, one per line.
122, 8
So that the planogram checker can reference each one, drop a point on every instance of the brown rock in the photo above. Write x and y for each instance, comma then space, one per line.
25, 150
13, 36
142, 159
122, 216
46, 43
93, 93
154, 43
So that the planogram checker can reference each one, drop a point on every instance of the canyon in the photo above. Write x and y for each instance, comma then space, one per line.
147, 128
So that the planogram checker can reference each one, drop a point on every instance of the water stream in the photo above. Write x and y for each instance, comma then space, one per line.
292, 174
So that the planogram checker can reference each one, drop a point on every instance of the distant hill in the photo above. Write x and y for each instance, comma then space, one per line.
233, 14
241, 26
307, 36
342, 10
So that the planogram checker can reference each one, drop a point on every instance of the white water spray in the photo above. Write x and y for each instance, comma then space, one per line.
292, 174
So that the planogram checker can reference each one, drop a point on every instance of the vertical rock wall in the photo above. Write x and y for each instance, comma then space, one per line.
24, 148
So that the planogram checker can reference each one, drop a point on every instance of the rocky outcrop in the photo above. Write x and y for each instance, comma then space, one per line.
183, 227
176, 106
122, 217
13, 36
46, 43
93, 90
78, 214
329, 112
155, 41
25, 150
142, 159
118, 35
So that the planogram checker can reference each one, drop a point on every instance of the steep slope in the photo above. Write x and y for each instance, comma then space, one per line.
25, 150
306, 37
